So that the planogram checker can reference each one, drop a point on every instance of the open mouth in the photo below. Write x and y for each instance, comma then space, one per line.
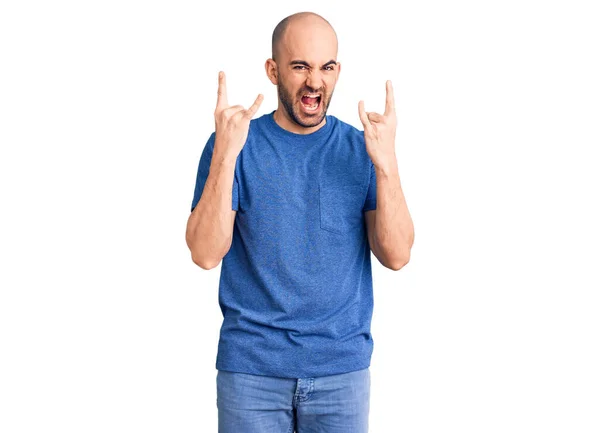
310, 102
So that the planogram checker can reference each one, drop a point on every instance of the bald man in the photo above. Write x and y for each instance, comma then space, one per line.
293, 203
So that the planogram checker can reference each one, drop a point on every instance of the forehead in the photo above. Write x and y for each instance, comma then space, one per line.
313, 42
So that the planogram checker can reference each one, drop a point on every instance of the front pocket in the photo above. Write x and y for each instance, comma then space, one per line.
340, 207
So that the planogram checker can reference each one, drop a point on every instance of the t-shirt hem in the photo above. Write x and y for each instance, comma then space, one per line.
267, 370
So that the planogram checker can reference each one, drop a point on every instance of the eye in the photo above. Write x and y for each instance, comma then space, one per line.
299, 67
329, 68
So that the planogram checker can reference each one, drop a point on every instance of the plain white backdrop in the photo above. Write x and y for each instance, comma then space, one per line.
106, 325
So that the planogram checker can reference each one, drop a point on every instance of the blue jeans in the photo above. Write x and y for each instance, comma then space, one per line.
249, 403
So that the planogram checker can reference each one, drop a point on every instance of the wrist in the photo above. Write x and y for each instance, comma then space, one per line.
388, 167
223, 155
223, 159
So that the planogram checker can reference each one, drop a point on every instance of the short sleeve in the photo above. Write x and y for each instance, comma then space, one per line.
371, 200
202, 175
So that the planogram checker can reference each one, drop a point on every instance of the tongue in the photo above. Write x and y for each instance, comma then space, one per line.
309, 101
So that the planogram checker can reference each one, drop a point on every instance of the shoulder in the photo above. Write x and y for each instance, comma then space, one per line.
354, 137
348, 130
260, 122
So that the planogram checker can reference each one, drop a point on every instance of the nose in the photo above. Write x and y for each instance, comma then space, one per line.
314, 80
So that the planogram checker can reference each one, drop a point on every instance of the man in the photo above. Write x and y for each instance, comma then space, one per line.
294, 202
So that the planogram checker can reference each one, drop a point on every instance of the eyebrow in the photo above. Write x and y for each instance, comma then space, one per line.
302, 62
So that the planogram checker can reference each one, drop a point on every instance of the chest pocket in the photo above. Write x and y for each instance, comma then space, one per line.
340, 207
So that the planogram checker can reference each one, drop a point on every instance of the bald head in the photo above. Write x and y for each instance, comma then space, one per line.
295, 25
304, 67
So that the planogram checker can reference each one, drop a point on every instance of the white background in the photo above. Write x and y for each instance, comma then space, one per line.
106, 325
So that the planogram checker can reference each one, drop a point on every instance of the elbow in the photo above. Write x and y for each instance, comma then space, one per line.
396, 266
203, 255
208, 260
198, 257
204, 263
399, 262
403, 256
202, 259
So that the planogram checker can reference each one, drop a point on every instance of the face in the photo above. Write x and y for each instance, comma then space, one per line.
306, 72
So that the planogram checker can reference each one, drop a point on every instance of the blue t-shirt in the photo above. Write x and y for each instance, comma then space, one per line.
296, 287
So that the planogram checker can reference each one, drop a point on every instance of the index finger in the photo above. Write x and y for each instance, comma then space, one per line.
390, 106
222, 91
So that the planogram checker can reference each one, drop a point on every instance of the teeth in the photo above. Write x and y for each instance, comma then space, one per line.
316, 104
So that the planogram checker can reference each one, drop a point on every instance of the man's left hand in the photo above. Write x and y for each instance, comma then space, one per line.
380, 130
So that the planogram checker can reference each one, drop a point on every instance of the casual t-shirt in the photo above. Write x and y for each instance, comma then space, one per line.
296, 287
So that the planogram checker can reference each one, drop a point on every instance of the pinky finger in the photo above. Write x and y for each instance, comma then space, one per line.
363, 115
250, 112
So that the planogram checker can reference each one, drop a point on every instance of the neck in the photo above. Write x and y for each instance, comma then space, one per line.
282, 119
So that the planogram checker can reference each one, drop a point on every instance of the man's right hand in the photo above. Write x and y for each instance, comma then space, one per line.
231, 123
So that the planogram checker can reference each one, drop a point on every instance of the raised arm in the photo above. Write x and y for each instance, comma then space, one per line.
209, 230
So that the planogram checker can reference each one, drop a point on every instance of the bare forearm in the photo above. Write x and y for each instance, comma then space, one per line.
394, 231
209, 228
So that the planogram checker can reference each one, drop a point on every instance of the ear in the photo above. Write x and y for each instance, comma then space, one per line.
271, 70
339, 69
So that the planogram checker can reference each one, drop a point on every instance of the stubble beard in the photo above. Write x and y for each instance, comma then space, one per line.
288, 101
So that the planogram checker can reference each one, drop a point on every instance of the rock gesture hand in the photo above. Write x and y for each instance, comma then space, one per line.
231, 122
380, 130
